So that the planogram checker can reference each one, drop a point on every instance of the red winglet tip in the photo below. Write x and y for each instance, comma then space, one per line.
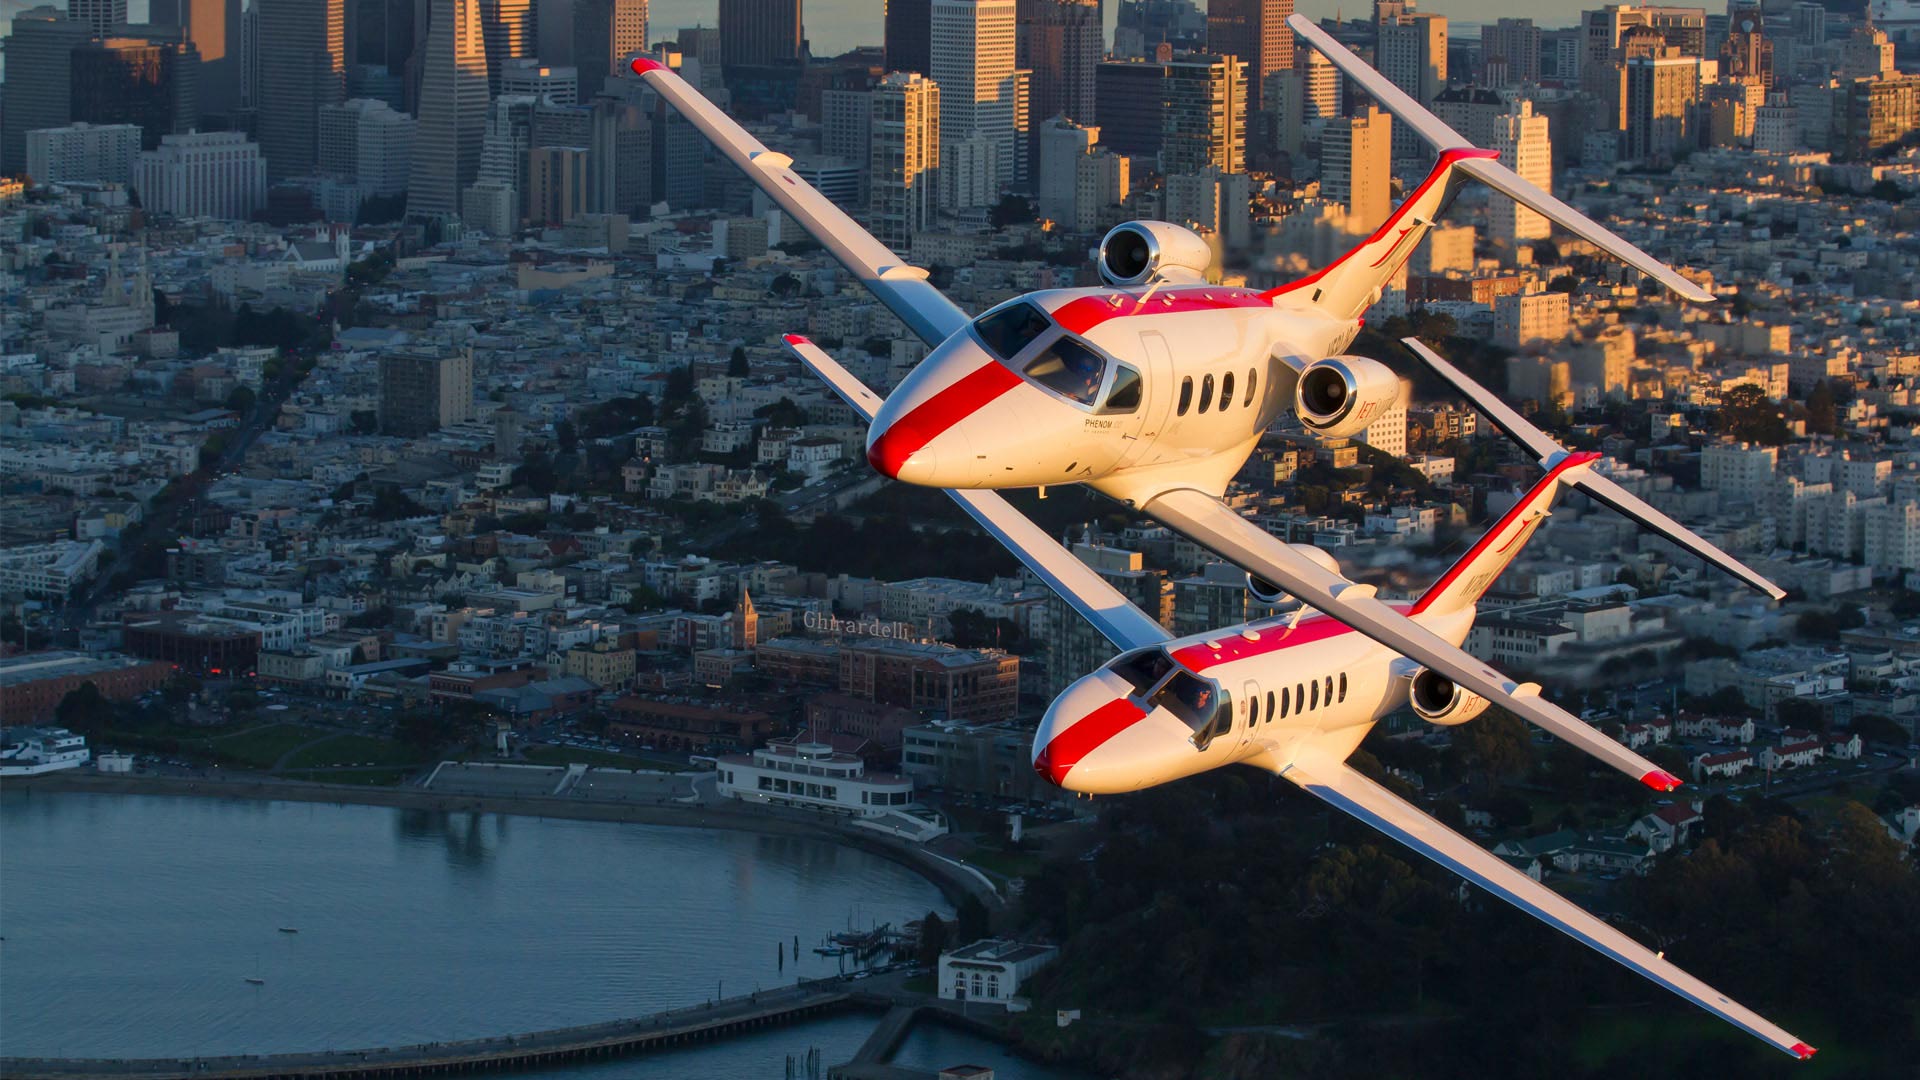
1803, 1051
796, 339
1661, 780
643, 64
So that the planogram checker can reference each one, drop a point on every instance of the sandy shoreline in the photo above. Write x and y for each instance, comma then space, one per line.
952, 882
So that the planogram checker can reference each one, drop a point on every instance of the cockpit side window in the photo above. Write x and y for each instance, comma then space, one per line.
1143, 670
1069, 369
1007, 331
1197, 703
1124, 397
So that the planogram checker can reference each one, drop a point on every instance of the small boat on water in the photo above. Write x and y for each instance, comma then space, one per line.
256, 982
289, 929
833, 950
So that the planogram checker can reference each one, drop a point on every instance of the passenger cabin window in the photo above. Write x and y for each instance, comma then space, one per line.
1253, 710
1343, 686
1069, 369
1144, 669
1314, 701
1124, 395
1199, 704
1253, 380
1329, 689
1226, 390
1011, 329
1269, 706
1206, 392
1186, 395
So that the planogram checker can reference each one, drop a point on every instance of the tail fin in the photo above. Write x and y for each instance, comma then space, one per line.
1435, 131
1348, 286
1468, 580
1596, 487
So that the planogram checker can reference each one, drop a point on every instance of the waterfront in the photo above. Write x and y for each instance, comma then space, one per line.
133, 922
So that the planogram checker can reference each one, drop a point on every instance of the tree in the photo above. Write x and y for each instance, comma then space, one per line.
567, 436
971, 919
737, 363
1012, 210
1494, 746
85, 709
1822, 414
933, 940
241, 400
1747, 415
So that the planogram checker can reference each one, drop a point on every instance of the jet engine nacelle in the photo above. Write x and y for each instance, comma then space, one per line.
1338, 397
1268, 593
1136, 252
1438, 700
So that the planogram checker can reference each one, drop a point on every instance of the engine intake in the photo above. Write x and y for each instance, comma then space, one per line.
1338, 397
1439, 700
1137, 252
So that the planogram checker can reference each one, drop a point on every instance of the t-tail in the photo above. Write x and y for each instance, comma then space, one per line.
1351, 283
1561, 469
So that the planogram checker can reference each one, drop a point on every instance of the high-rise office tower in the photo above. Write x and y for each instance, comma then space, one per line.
1060, 42
559, 85
503, 166
1079, 182
755, 32
154, 84
974, 64
606, 35
556, 183
1256, 32
453, 109
103, 17
511, 33
1660, 95
1128, 102
422, 391
1203, 124
620, 157
380, 32
1747, 55
99, 152
1683, 29
903, 182
1510, 53
303, 59
39, 66
1524, 141
909, 35
1301, 100
1412, 53
214, 28
1356, 166
369, 141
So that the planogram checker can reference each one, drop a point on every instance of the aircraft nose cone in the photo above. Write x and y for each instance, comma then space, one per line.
1074, 731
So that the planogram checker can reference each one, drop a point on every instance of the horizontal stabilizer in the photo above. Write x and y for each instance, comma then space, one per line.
1436, 132
1589, 483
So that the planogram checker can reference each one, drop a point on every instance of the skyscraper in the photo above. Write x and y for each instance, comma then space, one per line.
453, 109
1060, 42
1510, 53
973, 62
1661, 91
119, 80
620, 157
606, 34
302, 67
213, 26
754, 32
556, 183
39, 66
1256, 32
102, 152
909, 35
1129, 103
1204, 123
215, 174
1356, 166
1413, 54
511, 33
422, 391
1523, 140
103, 17
903, 182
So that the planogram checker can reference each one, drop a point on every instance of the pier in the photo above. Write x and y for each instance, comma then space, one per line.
503, 1053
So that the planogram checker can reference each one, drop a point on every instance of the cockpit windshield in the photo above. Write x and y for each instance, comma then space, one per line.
1012, 328
1199, 704
1069, 369
1143, 670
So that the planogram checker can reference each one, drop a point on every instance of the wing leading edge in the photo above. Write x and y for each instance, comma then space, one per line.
903, 288
1110, 612
1340, 786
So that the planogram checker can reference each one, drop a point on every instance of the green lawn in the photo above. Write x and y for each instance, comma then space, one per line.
1011, 864
353, 750
572, 755
259, 748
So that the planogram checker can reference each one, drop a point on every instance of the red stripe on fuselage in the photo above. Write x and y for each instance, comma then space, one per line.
1441, 169
925, 421
1071, 746
1480, 547
1084, 313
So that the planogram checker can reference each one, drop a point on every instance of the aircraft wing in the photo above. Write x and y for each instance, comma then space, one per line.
1499, 177
1097, 601
1594, 486
1218, 527
903, 288
1341, 786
